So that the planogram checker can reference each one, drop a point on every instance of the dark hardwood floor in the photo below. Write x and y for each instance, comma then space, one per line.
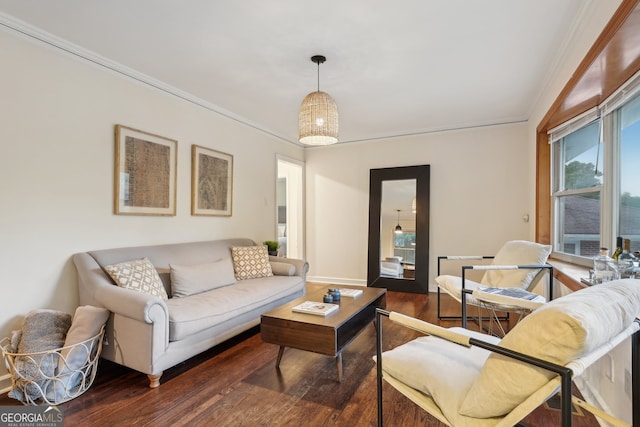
237, 384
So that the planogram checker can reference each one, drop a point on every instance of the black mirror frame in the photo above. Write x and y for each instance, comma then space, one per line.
422, 176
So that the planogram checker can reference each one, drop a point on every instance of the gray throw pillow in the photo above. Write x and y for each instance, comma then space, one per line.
193, 279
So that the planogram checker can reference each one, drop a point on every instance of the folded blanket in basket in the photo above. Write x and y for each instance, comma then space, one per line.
42, 330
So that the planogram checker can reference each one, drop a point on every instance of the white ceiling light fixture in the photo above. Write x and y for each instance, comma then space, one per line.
318, 118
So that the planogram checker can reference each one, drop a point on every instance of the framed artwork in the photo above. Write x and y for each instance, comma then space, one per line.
211, 182
145, 173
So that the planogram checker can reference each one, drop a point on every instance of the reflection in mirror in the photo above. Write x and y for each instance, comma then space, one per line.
289, 204
398, 229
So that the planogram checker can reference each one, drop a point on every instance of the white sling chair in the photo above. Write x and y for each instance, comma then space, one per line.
466, 378
518, 264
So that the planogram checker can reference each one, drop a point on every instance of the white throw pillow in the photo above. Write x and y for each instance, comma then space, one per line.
516, 252
560, 331
193, 279
250, 262
139, 275
87, 323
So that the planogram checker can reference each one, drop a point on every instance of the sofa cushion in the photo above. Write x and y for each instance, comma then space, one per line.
558, 332
193, 279
192, 314
139, 275
250, 262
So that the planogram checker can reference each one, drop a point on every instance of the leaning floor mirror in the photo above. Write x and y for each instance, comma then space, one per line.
398, 257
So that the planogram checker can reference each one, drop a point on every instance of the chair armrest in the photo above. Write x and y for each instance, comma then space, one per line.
506, 267
461, 257
429, 328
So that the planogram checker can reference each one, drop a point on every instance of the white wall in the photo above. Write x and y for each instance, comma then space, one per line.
479, 193
57, 118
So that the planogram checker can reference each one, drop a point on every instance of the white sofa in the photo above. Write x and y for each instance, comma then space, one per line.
149, 333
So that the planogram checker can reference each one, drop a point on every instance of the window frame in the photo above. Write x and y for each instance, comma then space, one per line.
589, 77
610, 188
557, 181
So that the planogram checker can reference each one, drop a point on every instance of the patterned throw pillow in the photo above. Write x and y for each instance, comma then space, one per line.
250, 262
139, 275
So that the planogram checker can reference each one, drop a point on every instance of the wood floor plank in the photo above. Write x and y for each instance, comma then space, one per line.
237, 384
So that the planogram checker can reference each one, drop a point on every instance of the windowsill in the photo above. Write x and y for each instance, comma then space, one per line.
569, 274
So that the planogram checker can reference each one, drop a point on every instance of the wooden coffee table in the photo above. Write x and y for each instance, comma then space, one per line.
325, 335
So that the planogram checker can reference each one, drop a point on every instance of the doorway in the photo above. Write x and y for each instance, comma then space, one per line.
290, 207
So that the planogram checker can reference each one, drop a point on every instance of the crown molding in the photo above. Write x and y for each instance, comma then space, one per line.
29, 32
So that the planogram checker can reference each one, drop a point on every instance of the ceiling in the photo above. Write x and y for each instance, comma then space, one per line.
394, 68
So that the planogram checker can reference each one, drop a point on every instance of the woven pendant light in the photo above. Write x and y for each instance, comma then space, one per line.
318, 118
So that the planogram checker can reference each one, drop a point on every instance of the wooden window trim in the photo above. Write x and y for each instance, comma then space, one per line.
601, 72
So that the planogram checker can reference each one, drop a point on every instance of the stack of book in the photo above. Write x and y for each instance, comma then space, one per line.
515, 297
317, 308
349, 292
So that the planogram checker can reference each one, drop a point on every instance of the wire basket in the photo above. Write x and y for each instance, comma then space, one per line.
54, 376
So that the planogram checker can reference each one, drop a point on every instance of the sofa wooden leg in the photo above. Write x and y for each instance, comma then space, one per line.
154, 380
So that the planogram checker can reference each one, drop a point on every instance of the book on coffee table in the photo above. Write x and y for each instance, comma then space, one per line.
350, 293
317, 308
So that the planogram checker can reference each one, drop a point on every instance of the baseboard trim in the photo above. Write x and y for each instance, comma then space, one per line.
353, 282
336, 281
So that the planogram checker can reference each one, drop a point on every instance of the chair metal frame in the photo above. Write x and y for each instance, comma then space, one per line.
543, 267
565, 373
464, 270
457, 258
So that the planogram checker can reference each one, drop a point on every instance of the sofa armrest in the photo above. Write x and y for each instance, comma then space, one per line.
133, 304
302, 266
96, 288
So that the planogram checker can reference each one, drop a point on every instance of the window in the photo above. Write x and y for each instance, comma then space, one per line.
576, 191
629, 203
596, 180
404, 245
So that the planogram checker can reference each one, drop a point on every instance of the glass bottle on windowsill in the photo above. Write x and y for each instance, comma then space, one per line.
618, 250
626, 260
604, 267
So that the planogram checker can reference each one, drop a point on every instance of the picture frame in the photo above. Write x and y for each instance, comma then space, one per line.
145, 173
211, 182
